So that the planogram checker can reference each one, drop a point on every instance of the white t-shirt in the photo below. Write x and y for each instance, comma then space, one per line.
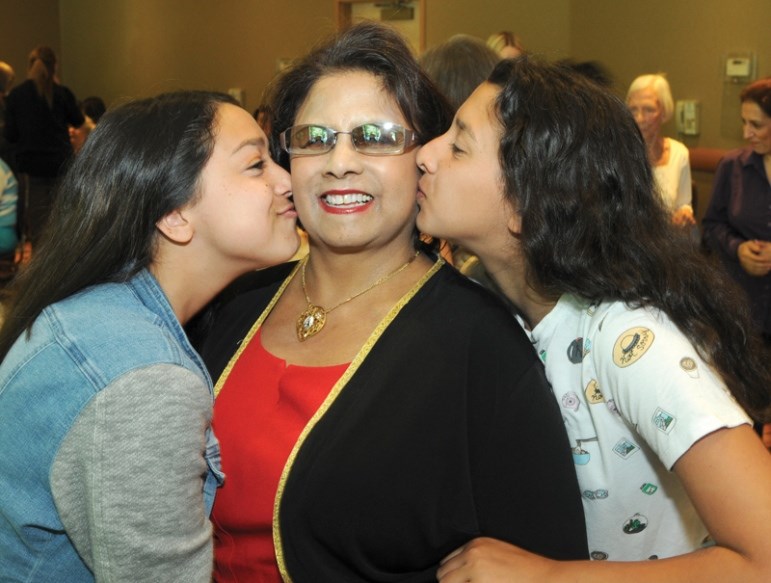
674, 177
635, 396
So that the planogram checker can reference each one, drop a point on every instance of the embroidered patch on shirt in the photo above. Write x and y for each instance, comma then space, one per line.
631, 345
570, 401
689, 366
577, 351
600, 494
593, 393
663, 420
625, 448
635, 524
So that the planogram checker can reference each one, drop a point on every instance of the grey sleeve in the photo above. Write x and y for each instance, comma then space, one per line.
128, 478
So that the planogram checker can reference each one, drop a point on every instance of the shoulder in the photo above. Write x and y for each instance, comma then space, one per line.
7, 179
230, 316
677, 149
646, 337
458, 310
109, 324
739, 155
21, 90
456, 288
247, 296
64, 92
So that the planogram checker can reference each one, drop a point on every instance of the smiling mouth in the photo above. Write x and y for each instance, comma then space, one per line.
345, 200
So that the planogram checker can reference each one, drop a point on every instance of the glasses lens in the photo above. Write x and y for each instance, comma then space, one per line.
376, 139
308, 139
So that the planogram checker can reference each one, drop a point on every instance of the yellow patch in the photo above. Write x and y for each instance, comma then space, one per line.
593, 393
689, 366
631, 345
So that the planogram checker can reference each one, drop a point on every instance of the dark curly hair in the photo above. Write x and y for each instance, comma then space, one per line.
575, 168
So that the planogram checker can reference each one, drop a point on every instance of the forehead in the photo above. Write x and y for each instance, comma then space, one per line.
751, 110
478, 111
647, 95
345, 99
232, 126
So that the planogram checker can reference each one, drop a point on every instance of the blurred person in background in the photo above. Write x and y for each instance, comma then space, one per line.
650, 100
39, 112
737, 225
506, 44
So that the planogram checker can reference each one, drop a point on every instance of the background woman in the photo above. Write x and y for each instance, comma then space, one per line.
506, 44
380, 409
104, 405
38, 115
736, 226
545, 178
650, 101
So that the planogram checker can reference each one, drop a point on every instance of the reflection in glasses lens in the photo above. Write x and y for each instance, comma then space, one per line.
373, 139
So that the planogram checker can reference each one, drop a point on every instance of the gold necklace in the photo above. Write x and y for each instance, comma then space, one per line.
311, 321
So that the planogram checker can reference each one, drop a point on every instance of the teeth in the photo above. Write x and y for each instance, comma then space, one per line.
341, 199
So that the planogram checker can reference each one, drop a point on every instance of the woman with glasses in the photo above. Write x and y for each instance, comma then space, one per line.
650, 101
545, 177
375, 409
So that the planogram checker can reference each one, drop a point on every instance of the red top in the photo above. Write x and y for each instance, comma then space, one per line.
258, 416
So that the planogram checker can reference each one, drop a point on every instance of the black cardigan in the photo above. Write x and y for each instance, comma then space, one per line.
445, 430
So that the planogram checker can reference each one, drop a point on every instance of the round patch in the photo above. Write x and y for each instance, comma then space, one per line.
576, 351
689, 366
570, 401
631, 345
598, 556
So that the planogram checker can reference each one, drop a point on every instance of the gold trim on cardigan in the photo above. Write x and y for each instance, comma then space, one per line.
331, 397
253, 330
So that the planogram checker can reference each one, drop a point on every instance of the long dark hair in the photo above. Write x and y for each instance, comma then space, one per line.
575, 168
142, 161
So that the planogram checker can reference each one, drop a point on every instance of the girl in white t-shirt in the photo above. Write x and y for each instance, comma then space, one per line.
546, 179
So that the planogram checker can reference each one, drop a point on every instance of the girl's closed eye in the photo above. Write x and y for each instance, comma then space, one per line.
258, 165
456, 151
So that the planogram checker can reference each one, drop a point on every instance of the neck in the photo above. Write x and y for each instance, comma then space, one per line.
655, 148
188, 282
331, 275
509, 274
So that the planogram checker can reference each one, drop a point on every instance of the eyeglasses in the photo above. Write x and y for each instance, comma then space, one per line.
372, 139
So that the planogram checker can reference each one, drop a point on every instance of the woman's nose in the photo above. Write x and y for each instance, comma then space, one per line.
343, 158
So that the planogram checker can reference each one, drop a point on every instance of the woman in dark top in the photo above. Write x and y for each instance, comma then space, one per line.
38, 115
737, 225
738, 221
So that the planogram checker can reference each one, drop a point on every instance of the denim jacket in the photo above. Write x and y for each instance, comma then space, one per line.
78, 346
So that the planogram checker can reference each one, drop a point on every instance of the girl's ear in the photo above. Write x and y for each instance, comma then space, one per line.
515, 223
175, 227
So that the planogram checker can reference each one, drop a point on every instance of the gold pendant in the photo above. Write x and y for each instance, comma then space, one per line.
310, 322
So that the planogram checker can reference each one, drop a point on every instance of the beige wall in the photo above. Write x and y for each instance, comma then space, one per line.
25, 25
133, 48
687, 39
542, 25
120, 49
128, 48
